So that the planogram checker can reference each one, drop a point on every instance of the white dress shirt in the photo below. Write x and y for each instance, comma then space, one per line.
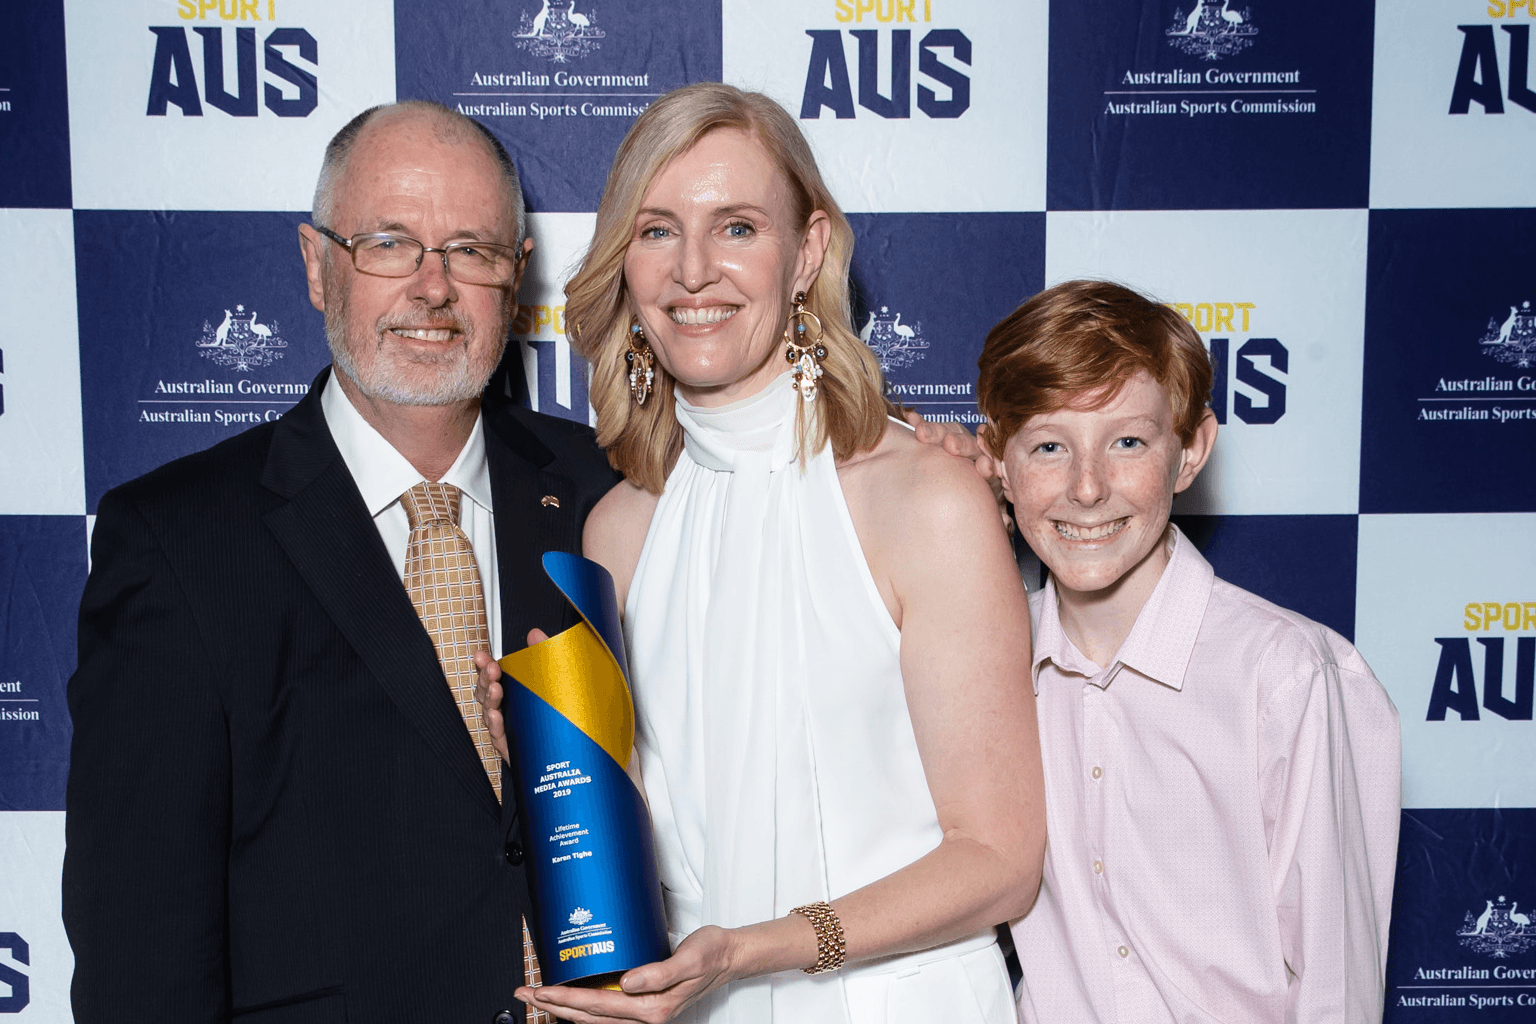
1222, 808
382, 474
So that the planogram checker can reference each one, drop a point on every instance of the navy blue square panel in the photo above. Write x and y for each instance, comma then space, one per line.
1462, 943
1448, 410
558, 81
193, 327
34, 106
1304, 563
927, 287
42, 560
1209, 104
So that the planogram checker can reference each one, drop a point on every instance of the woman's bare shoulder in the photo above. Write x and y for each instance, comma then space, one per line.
624, 500
916, 479
616, 529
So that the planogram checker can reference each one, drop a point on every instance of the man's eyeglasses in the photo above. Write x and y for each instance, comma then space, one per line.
389, 255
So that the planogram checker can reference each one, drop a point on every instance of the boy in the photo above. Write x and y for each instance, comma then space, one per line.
1222, 775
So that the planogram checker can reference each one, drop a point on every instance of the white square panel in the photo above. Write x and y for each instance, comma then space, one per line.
128, 58
1440, 600
911, 149
1422, 155
32, 851
40, 447
1263, 288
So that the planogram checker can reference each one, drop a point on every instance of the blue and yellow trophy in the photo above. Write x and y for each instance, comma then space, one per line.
586, 831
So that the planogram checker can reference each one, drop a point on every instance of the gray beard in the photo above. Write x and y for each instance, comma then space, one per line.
459, 383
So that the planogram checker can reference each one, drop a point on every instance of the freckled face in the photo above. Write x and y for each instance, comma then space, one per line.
715, 258
1092, 489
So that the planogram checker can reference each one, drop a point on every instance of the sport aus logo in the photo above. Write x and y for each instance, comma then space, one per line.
1478, 69
1260, 364
11, 977
829, 84
288, 89
1456, 683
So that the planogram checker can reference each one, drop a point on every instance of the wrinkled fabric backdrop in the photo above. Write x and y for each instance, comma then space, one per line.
1338, 197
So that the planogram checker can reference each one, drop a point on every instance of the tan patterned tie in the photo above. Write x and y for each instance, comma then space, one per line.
443, 581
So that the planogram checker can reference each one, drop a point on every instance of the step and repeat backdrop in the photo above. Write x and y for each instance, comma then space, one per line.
1338, 197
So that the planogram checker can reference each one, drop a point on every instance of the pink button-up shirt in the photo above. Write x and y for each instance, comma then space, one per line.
1222, 804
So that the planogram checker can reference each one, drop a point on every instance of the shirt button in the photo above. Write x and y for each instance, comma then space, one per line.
1097, 773
1098, 867
1123, 951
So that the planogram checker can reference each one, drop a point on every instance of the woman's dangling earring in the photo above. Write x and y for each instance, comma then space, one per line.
640, 360
803, 349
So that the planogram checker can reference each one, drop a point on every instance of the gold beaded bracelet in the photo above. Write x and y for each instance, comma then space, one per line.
831, 950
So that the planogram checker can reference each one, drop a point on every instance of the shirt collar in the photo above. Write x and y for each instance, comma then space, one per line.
1162, 640
382, 474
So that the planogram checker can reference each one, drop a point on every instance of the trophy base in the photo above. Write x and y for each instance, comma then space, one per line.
609, 981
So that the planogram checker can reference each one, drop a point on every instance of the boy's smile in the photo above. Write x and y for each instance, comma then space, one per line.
1092, 489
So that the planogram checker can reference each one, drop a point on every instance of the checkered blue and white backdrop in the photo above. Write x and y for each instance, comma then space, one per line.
1339, 197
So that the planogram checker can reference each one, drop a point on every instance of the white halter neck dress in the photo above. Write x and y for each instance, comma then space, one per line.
773, 732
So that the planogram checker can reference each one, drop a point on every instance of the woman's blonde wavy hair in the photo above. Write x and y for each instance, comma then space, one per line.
643, 442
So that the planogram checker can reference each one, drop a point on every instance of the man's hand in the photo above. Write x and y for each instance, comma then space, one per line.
955, 439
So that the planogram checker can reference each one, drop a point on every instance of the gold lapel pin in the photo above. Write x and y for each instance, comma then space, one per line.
549, 500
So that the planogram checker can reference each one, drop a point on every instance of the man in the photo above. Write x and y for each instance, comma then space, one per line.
1222, 775
276, 811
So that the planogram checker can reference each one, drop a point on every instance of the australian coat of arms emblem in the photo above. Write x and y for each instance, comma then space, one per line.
559, 32
1513, 339
895, 344
1500, 930
1211, 31
240, 341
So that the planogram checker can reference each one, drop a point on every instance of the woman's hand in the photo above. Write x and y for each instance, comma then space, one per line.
653, 993
488, 694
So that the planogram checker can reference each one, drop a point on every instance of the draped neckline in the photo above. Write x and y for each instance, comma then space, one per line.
755, 430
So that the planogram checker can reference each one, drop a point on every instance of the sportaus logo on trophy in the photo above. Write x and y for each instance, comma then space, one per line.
1499, 931
894, 343
1210, 31
558, 32
240, 341
1512, 339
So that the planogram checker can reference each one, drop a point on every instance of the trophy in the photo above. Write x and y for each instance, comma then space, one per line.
586, 831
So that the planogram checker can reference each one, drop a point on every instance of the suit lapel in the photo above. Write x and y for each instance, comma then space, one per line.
536, 511
326, 530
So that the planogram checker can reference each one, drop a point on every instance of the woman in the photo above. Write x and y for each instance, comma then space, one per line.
829, 647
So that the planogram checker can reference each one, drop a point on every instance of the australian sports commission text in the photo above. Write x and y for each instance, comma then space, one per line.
1192, 108
548, 110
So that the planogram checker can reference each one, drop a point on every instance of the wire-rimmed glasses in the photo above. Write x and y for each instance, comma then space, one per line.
385, 254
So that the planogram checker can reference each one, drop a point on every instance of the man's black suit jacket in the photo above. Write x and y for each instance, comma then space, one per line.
275, 813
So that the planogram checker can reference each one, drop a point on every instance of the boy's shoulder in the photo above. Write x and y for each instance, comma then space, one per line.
1283, 645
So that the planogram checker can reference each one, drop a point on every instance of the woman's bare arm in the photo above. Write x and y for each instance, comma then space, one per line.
929, 528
